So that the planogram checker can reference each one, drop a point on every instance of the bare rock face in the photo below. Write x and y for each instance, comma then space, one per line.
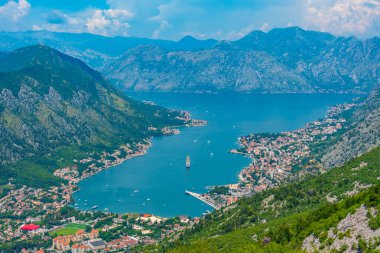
54, 99
311, 244
8, 100
346, 235
28, 99
362, 135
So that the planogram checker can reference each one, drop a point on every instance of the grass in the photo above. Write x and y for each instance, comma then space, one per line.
69, 229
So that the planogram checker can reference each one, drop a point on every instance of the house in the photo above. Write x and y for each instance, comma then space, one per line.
97, 244
79, 235
93, 234
184, 219
79, 248
62, 243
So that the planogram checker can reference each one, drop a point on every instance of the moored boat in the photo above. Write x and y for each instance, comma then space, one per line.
187, 161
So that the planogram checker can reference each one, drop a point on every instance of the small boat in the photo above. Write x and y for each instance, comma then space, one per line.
148, 199
187, 161
106, 209
136, 191
94, 207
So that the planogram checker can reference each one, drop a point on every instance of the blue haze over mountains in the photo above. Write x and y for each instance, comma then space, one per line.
283, 60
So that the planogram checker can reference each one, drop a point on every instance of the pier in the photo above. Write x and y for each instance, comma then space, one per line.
203, 199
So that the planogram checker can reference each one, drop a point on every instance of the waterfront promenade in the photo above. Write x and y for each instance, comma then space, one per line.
206, 200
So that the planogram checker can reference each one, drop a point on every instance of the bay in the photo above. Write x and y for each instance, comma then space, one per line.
156, 182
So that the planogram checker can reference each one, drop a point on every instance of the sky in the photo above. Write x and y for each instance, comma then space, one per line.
173, 19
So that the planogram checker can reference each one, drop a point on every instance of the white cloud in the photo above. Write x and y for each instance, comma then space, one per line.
106, 22
109, 22
265, 27
163, 26
36, 28
344, 17
12, 12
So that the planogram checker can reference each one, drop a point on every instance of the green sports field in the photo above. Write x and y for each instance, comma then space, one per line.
69, 229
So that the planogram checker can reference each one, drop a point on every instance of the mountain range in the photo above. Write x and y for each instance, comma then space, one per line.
94, 50
283, 60
52, 104
279, 61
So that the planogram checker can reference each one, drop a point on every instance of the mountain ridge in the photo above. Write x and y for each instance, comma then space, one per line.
328, 64
320, 62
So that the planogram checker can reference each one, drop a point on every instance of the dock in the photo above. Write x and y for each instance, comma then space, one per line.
203, 199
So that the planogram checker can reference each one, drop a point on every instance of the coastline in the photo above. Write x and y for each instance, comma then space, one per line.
70, 173
257, 146
278, 157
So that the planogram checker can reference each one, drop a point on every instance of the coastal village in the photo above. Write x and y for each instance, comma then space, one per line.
48, 216
277, 157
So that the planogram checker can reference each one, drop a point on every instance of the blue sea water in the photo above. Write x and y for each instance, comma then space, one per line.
156, 182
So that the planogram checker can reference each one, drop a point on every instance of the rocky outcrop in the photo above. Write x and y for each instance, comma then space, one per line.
361, 135
345, 237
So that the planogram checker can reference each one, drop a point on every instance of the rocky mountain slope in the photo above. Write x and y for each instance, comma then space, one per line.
221, 68
361, 135
50, 101
282, 60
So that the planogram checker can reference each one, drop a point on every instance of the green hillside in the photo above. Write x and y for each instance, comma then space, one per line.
279, 220
54, 108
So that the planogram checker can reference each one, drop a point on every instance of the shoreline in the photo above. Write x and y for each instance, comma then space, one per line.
326, 127
274, 157
146, 144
